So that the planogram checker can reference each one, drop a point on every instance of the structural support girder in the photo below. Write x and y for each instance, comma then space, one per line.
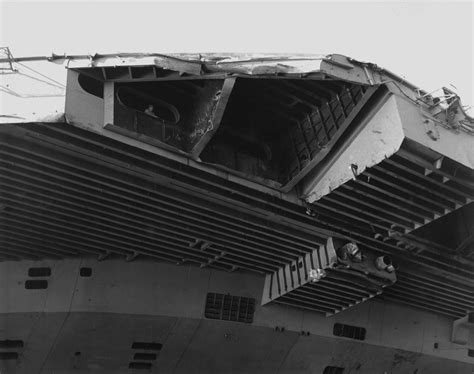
297, 273
216, 115
328, 279
382, 132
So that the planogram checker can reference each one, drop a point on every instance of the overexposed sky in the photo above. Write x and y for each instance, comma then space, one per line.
429, 43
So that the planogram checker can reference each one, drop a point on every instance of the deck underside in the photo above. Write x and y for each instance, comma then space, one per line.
68, 193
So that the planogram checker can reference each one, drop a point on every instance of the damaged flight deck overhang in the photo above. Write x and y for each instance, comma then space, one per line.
334, 147
365, 150
277, 120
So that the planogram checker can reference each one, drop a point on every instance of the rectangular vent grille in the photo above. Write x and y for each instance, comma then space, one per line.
347, 331
229, 308
39, 272
8, 355
144, 356
140, 365
85, 272
333, 370
147, 346
36, 284
11, 344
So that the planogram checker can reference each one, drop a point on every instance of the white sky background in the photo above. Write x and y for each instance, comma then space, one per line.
428, 43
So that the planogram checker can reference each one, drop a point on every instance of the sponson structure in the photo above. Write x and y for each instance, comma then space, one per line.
237, 213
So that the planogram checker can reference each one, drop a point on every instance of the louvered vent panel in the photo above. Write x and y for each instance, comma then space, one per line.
348, 331
229, 308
